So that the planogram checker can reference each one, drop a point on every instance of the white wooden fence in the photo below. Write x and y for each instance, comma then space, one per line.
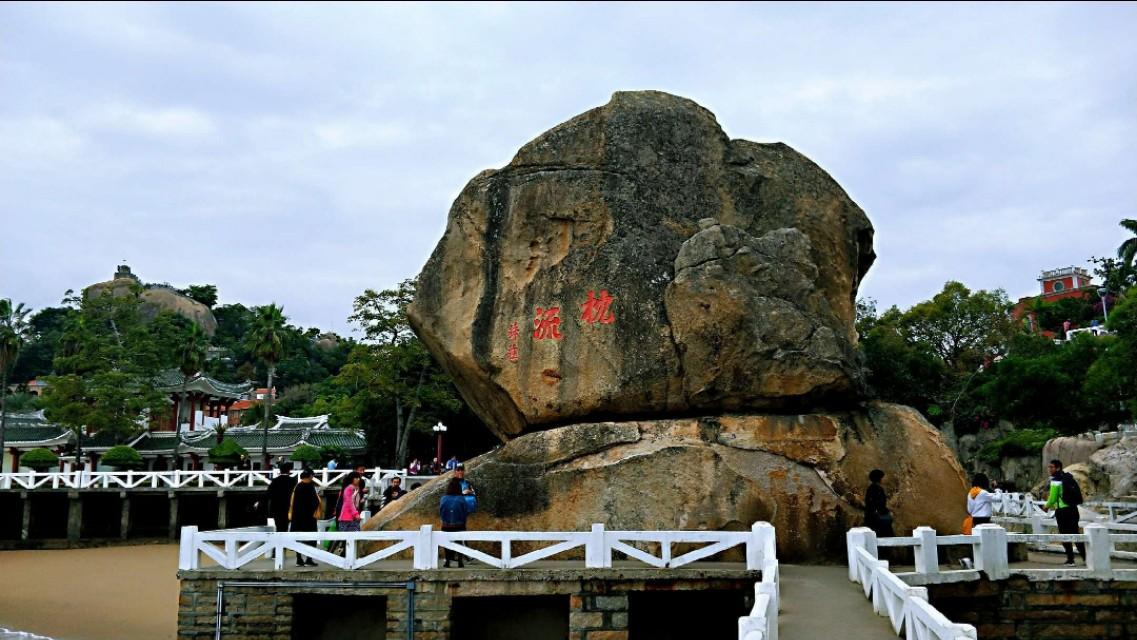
1023, 510
907, 607
235, 548
226, 479
762, 623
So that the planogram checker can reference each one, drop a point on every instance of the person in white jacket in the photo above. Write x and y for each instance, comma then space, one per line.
980, 499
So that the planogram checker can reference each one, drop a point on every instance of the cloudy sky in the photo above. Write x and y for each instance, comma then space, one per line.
301, 153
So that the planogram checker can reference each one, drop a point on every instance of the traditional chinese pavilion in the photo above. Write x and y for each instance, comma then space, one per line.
198, 401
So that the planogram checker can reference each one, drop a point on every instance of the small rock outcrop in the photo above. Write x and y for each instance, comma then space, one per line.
156, 298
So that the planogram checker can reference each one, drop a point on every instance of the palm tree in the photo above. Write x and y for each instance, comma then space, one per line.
14, 331
191, 359
1127, 252
267, 344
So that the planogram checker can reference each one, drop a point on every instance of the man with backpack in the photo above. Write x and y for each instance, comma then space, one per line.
1065, 496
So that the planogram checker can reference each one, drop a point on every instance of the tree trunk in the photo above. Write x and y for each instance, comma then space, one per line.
403, 431
268, 411
178, 425
3, 414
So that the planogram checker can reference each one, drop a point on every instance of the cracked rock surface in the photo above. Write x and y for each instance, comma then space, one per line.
637, 262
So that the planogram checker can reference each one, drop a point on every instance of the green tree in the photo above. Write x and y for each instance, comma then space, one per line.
47, 326
227, 453
122, 457
307, 455
14, 331
108, 360
203, 293
40, 459
191, 359
394, 367
963, 328
267, 344
1127, 251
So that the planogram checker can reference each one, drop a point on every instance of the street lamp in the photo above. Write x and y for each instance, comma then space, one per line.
1102, 293
439, 429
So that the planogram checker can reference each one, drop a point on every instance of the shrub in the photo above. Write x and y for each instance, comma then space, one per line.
332, 452
227, 454
39, 459
122, 457
307, 455
1022, 442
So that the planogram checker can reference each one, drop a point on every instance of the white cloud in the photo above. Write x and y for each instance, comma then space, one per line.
38, 140
176, 124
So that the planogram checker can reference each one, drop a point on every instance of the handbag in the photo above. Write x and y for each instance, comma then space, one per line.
965, 528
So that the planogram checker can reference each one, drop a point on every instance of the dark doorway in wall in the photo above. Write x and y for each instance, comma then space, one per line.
510, 618
680, 615
335, 617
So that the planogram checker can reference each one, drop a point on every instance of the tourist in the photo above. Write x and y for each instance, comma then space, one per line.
414, 468
280, 496
1065, 496
452, 463
467, 488
305, 511
394, 491
435, 467
351, 499
332, 464
453, 512
979, 500
366, 484
877, 516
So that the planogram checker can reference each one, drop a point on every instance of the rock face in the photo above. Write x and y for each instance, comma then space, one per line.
636, 262
806, 474
156, 298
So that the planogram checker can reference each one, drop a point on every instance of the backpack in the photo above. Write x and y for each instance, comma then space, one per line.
1071, 492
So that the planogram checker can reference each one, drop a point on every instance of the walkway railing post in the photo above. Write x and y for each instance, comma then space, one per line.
596, 554
426, 553
991, 551
760, 545
927, 551
1097, 550
859, 538
187, 551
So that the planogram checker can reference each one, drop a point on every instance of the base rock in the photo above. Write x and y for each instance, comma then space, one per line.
806, 474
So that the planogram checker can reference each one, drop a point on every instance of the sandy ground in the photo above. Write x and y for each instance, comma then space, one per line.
112, 593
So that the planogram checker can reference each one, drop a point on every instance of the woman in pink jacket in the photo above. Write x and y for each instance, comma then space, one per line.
350, 499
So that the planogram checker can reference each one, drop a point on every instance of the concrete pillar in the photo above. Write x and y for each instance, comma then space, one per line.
124, 522
26, 527
74, 516
222, 511
173, 499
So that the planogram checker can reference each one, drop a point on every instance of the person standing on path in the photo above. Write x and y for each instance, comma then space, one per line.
280, 496
394, 491
305, 511
350, 514
468, 492
1065, 496
453, 512
980, 499
877, 516
452, 463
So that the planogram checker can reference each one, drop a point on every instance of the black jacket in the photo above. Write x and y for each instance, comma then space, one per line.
305, 502
279, 498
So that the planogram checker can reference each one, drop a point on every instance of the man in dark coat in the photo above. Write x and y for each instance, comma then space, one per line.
305, 510
280, 496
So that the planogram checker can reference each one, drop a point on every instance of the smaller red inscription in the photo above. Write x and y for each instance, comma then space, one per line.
547, 324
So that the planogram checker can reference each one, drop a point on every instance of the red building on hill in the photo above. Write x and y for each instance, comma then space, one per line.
1056, 284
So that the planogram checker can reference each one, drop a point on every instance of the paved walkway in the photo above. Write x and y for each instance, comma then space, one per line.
821, 602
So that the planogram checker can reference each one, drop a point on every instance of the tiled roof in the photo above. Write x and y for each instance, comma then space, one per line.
100, 440
32, 429
278, 441
170, 381
242, 405
156, 442
313, 422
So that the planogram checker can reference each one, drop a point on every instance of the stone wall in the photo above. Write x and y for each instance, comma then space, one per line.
598, 599
1018, 608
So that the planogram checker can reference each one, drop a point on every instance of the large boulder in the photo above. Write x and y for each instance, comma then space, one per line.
806, 474
636, 262
155, 299
1070, 449
1119, 463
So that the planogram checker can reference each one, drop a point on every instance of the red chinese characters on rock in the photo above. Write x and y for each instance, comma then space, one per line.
513, 333
547, 324
596, 309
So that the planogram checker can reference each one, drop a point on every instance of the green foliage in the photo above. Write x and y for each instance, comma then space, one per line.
1115, 275
1021, 442
227, 453
203, 293
20, 402
108, 358
122, 457
1127, 250
307, 455
332, 452
39, 459
35, 359
961, 328
1079, 310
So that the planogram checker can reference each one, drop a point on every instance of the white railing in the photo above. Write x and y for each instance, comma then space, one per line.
989, 551
235, 548
1024, 510
762, 623
906, 608
220, 479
